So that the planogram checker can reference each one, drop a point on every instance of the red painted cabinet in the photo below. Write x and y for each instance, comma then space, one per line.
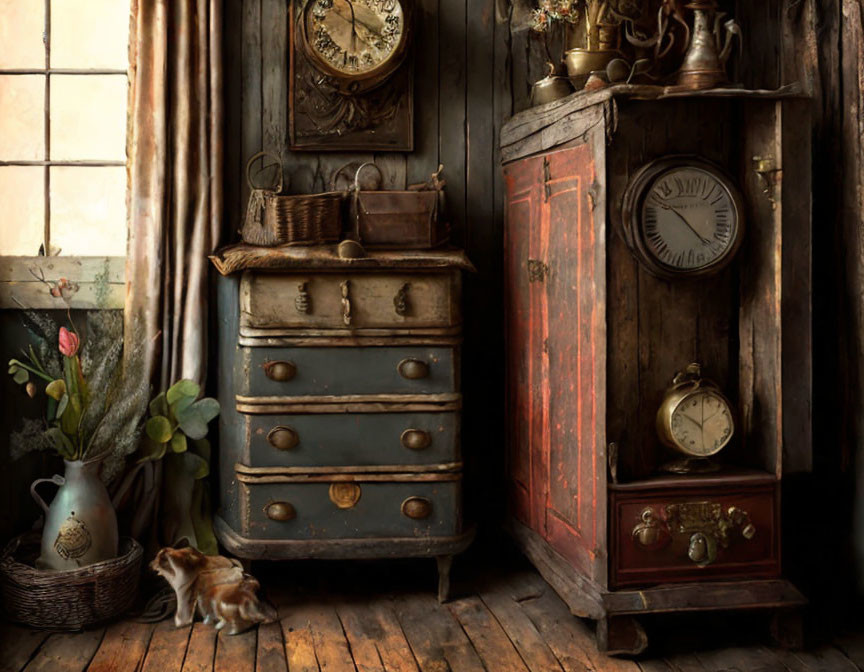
593, 340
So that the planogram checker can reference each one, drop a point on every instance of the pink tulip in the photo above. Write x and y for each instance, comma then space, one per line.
68, 342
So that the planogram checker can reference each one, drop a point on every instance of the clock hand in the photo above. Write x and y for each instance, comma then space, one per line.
666, 206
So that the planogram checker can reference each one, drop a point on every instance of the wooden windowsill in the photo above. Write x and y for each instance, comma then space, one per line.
101, 282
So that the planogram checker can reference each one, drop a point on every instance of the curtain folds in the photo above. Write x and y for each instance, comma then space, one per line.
174, 199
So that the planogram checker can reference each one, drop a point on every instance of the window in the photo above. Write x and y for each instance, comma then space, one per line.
63, 98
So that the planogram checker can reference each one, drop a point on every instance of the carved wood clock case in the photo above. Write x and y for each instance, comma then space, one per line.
657, 275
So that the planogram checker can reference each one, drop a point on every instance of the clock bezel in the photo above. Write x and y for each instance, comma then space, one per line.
632, 215
671, 439
360, 82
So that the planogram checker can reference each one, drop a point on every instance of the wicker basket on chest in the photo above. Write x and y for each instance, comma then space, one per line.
274, 218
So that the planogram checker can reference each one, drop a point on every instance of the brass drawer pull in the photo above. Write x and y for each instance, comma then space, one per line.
280, 511
413, 369
281, 372
416, 439
345, 495
283, 438
417, 507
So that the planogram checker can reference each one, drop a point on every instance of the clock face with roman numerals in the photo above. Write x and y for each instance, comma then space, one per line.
686, 217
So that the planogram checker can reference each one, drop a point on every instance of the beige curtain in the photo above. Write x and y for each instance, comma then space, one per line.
174, 199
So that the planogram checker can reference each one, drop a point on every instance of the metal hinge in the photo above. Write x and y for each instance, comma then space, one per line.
547, 178
537, 270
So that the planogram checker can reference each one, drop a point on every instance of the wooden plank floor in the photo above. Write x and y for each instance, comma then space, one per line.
383, 617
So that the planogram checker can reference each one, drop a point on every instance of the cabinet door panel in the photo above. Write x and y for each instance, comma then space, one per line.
574, 338
523, 210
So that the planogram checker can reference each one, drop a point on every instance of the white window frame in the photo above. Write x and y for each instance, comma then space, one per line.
26, 281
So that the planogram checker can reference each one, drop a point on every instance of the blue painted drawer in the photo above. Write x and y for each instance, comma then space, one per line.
291, 372
351, 510
351, 439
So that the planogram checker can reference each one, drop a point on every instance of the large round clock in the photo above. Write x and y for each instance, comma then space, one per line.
358, 42
683, 216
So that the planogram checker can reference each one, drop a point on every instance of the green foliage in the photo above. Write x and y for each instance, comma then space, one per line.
176, 416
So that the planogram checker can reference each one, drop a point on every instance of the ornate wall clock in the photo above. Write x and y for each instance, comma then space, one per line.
350, 83
683, 216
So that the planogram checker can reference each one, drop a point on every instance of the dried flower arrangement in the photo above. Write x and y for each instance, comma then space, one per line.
93, 410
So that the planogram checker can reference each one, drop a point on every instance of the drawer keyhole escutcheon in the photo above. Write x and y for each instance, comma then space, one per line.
281, 372
417, 508
345, 495
280, 511
283, 438
416, 439
413, 369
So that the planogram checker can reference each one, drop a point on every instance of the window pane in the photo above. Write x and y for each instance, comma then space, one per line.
22, 107
88, 210
23, 216
89, 33
22, 23
88, 117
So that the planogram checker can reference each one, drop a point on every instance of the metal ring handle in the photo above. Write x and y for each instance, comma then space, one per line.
279, 183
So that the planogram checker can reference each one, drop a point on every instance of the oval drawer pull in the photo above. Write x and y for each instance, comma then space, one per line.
280, 511
417, 507
416, 439
280, 371
413, 369
283, 438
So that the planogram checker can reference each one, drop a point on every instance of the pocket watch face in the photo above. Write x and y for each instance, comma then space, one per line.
683, 216
702, 424
354, 38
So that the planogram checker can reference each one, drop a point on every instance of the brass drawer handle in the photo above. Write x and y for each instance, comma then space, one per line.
413, 369
416, 439
283, 438
280, 511
281, 372
345, 495
417, 508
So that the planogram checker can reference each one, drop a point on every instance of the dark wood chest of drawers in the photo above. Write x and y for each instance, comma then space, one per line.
339, 383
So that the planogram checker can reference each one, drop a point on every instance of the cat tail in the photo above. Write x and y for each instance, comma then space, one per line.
258, 611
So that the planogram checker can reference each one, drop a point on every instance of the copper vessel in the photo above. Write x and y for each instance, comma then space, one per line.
704, 64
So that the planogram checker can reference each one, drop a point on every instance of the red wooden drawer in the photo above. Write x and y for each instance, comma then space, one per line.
681, 535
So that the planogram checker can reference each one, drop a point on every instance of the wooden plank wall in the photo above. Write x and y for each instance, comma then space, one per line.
820, 43
462, 94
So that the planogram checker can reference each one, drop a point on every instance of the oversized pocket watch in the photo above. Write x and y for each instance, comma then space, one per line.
358, 43
695, 419
682, 216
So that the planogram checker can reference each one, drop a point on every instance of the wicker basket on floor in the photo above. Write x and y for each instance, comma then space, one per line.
70, 599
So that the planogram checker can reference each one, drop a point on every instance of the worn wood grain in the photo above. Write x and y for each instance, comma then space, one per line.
519, 629
437, 640
487, 635
251, 92
331, 646
236, 653
376, 638
270, 656
123, 648
18, 645
66, 652
567, 636
299, 646
167, 648
752, 659
201, 649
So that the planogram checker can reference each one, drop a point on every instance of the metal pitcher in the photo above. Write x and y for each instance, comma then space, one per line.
81, 524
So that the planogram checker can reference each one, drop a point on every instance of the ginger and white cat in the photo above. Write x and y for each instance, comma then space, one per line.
217, 586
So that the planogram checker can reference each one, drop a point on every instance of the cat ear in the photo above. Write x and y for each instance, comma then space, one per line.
182, 542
